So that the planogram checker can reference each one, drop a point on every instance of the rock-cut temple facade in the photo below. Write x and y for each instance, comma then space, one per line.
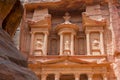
71, 39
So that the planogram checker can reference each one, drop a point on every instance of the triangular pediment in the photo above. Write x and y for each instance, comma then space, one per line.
89, 21
67, 62
64, 61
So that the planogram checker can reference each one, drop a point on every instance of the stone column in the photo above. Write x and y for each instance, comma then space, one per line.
57, 76
43, 76
77, 76
101, 43
61, 44
72, 44
88, 42
32, 44
105, 77
90, 76
45, 43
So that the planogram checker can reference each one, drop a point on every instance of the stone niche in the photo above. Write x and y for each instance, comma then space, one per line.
40, 26
38, 44
95, 43
94, 30
67, 32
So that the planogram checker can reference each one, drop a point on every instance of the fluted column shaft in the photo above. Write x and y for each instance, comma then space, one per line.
101, 43
72, 44
61, 44
31, 44
45, 43
88, 42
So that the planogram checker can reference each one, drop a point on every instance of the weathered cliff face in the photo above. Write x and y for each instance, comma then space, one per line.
116, 27
13, 66
10, 15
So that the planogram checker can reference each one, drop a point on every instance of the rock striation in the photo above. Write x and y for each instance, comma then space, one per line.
13, 66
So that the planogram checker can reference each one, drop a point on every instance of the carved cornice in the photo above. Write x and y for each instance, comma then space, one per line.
70, 60
45, 23
88, 22
63, 26
56, 5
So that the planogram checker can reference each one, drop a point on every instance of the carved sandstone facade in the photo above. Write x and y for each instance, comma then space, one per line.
71, 42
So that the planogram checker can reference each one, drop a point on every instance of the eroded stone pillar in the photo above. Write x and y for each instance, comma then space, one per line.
101, 43
105, 77
72, 44
61, 44
90, 76
43, 76
88, 42
77, 76
31, 45
57, 76
45, 43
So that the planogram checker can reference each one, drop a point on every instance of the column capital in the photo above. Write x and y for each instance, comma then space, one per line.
60, 33
77, 74
87, 32
57, 76
43, 76
46, 32
31, 32
105, 75
90, 75
101, 31
73, 33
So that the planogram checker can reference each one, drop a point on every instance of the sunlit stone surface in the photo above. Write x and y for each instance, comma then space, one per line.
72, 39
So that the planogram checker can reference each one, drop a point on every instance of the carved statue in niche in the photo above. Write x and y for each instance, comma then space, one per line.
96, 47
67, 45
67, 48
96, 44
38, 44
38, 47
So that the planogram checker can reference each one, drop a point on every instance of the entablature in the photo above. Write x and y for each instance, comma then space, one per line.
88, 22
68, 61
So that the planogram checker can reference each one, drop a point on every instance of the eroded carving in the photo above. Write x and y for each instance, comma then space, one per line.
67, 48
67, 18
38, 44
96, 44
67, 45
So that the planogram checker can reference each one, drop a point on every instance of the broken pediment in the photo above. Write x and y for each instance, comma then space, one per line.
88, 21
38, 24
41, 18
68, 61
39, 14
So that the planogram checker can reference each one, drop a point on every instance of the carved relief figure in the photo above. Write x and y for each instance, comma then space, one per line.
38, 47
38, 44
67, 45
66, 48
96, 44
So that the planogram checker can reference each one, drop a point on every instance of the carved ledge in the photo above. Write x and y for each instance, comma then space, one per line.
89, 22
44, 23
68, 26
